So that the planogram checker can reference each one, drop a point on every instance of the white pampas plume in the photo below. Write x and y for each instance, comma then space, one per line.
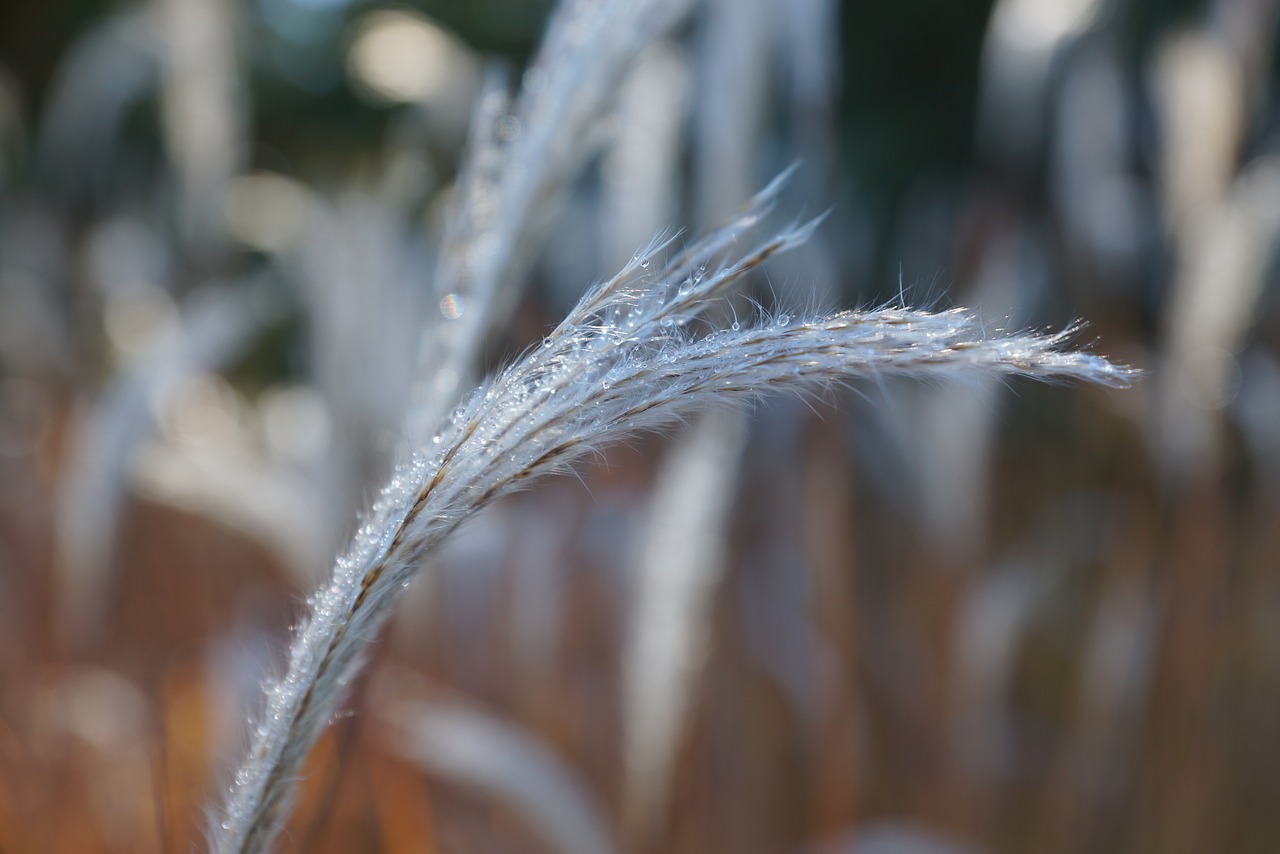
629, 357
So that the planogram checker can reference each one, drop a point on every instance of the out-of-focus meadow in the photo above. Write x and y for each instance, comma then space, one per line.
985, 617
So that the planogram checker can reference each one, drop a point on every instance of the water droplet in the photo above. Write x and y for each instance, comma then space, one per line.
546, 342
784, 319
509, 128
451, 306
535, 79
735, 326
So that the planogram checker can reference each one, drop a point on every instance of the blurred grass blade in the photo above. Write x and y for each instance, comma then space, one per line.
469, 748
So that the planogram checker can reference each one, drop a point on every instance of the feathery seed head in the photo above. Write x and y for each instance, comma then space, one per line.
626, 358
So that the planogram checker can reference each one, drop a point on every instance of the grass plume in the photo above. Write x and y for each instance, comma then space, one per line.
631, 356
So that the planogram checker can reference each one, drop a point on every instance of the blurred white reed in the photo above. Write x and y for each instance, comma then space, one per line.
676, 574
466, 746
1223, 227
641, 168
209, 329
203, 107
1022, 41
734, 51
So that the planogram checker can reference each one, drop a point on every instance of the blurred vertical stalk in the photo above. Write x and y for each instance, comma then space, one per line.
729, 111
203, 111
1223, 229
641, 167
681, 562
1018, 52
